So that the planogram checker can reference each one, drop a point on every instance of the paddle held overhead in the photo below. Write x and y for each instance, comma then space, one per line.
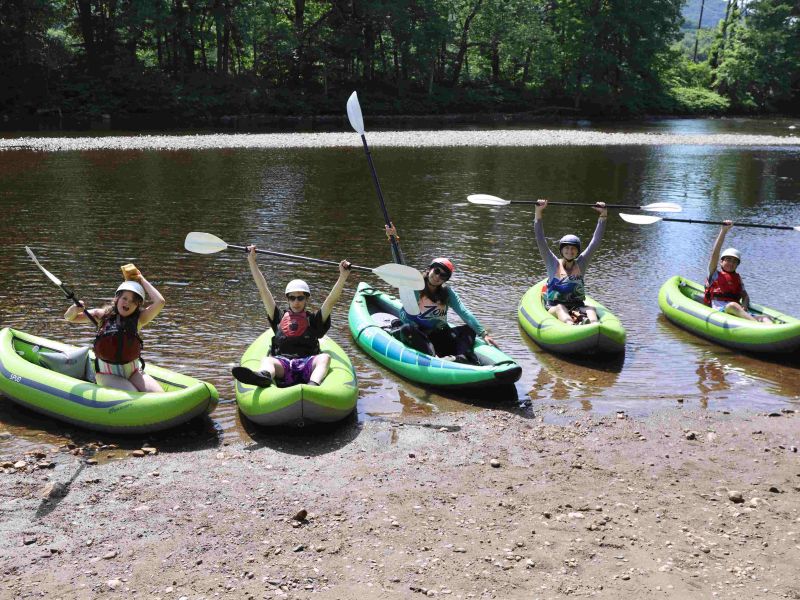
392, 273
407, 297
650, 219
490, 200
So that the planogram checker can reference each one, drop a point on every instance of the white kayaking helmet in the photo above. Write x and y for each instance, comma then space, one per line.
733, 252
131, 286
298, 285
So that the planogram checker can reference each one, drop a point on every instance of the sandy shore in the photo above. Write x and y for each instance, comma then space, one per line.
473, 505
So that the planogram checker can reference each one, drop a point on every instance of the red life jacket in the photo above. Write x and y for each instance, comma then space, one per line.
118, 340
294, 336
726, 286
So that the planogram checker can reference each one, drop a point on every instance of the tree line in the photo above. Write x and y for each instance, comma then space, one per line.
198, 59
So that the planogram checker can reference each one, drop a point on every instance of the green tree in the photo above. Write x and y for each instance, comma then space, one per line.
611, 51
761, 67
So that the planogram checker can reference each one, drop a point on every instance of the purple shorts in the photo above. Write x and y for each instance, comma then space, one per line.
296, 370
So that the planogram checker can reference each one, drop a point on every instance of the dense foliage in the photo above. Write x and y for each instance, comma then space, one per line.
192, 60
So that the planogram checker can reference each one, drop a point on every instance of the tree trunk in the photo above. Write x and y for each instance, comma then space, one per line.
494, 53
298, 24
458, 63
527, 65
86, 25
716, 55
697, 33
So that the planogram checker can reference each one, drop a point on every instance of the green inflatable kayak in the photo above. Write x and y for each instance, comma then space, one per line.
681, 301
607, 336
371, 313
56, 379
297, 404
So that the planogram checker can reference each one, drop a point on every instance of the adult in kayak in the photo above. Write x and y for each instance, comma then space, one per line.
565, 293
295, 356
118, 345
429, 332
724, 288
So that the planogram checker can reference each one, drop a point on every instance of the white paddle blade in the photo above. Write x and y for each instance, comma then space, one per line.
669, 207
639, 219
203, 243
400, 276
797, 228
354, 114
409, 301
50, 276
487, 199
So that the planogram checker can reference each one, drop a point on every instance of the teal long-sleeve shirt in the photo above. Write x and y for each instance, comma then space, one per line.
434, 316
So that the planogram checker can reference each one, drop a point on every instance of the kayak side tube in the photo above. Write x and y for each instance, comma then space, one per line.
88, 405
332, 401
372, 310
607, 336
681, 301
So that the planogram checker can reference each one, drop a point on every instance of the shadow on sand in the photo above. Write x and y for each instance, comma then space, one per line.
313, 439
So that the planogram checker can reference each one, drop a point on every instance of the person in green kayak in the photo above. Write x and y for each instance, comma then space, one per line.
118, 345
565, 293
295, 356
428, 332
724, 288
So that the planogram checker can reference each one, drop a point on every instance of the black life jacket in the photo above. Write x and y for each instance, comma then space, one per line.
294, 336
118, 340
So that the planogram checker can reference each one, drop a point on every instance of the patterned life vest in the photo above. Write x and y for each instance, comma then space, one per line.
565, 290
118, 340
432, 315
725, 286
294, 336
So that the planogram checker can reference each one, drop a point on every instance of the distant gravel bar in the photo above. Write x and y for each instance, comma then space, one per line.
404, 139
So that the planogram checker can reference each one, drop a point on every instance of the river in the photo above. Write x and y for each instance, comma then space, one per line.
87, 206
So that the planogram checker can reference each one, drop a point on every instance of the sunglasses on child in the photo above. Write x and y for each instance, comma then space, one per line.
443, 273
295, 298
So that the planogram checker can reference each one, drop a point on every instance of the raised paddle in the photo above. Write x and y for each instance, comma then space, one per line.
650, 219
489, 200
407, 296
392, 273
67, 292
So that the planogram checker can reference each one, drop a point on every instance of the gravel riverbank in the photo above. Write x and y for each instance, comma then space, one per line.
405, 139
473, 505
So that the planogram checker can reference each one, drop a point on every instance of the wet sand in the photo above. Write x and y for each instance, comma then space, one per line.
487, 504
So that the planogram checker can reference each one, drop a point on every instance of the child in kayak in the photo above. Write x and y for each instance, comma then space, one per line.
724, 288
118, 346
428, 332
295, 356
565, 287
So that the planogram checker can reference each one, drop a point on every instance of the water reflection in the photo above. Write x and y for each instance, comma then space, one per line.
723, 375
711, 380
570, 379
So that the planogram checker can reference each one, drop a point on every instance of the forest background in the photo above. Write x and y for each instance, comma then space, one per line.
192, 62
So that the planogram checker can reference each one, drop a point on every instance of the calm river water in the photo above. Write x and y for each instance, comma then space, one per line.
85, 213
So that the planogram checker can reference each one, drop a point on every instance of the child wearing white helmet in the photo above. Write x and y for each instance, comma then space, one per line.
295, 356
118, 345
724, 287
565, 286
